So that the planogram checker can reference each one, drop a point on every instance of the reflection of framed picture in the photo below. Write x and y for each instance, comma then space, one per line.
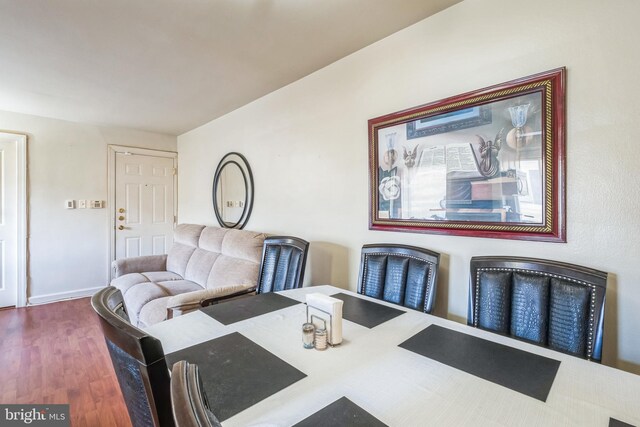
488, 163
448, 122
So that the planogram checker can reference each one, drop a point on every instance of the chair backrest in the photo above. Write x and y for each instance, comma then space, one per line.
283, 262
405, 275
549, 303
138, 360
188, 398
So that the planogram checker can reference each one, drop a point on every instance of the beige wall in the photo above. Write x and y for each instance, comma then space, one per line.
307, 144
68, 249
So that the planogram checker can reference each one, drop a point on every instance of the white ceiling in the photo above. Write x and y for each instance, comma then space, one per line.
171, 65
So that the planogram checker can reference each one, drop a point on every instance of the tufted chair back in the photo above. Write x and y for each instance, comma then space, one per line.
549, 303
404, 275
189, 401
138, 360
283, 262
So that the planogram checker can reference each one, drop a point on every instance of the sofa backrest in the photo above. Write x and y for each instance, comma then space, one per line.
214, 256
185, 242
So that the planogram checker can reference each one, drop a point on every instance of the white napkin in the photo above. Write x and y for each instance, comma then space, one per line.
321, 303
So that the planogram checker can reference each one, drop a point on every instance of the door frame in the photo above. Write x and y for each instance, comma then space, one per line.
22, 225
111, 189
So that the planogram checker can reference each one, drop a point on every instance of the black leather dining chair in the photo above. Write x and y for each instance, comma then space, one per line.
404, 275
283, 262
188, 398
549, 303
138, 360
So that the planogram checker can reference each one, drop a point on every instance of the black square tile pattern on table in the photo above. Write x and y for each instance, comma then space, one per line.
518, 370
617, 423
236, 372
364, 312
245, 308
342, 412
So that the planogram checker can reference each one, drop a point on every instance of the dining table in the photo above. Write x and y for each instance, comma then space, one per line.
395, 366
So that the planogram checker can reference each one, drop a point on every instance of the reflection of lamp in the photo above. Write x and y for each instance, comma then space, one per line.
391, 155
519, 115
516, 138
518, 120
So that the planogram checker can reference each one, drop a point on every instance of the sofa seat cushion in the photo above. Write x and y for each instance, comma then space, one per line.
153, 312
127, 281
161, 276
142, 294
176, 287
124, 283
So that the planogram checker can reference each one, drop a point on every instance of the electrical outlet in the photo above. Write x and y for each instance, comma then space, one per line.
82, 204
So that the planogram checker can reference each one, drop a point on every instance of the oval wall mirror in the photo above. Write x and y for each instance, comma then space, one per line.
232, 192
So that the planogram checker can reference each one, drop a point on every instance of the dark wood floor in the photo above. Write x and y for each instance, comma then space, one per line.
55, 353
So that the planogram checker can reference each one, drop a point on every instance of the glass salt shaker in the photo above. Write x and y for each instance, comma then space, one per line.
308, 332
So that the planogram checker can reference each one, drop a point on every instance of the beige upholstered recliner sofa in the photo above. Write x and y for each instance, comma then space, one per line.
204, 263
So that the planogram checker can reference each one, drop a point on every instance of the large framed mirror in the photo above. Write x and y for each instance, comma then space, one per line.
232, 191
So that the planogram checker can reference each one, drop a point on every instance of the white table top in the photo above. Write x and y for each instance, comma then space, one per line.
402, 388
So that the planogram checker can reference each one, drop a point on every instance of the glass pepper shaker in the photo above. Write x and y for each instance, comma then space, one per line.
321, 339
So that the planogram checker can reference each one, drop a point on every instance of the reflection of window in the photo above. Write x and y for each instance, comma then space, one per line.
467, 113
423, 191
447, 122
530, 191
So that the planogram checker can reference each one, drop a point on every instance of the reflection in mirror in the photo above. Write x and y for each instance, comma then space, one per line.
233, 191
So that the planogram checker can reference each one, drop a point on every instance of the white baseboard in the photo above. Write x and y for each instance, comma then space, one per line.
59, 296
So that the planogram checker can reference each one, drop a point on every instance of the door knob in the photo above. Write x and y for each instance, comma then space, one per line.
121, 210
121, 218
121, 227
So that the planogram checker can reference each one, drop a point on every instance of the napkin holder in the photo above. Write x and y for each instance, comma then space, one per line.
328, 309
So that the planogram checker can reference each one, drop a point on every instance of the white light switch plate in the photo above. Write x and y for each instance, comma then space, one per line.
82, 204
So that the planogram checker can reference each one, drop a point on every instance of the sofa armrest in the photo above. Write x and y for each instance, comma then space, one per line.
139, 264
183, 303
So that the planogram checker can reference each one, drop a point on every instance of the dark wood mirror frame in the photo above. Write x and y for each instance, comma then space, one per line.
238, 160
417, 189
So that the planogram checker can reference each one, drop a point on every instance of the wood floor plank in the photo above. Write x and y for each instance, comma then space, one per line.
55, 353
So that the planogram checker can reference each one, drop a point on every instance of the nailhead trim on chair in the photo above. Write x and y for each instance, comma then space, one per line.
541, 273
366, 265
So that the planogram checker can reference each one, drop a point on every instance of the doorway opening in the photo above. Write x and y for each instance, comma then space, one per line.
13, 219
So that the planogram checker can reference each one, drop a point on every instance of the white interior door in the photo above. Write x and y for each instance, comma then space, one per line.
8, 222
144, 204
